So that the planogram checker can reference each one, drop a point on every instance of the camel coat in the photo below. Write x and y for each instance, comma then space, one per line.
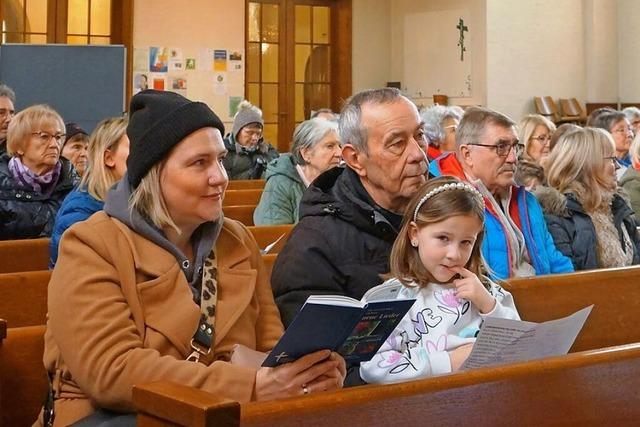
121, 313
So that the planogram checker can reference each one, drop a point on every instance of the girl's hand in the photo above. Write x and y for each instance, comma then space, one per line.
470, 288
314, 372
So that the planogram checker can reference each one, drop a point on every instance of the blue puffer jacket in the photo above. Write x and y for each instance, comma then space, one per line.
77, 206
545, 257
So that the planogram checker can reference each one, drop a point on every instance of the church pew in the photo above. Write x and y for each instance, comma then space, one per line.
242, 213
267, 234
24, 255
586, 388
23, 379
23, 297
242, 197
615, 293
246, 184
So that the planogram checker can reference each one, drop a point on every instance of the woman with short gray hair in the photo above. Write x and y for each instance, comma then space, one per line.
316, 148
440, 125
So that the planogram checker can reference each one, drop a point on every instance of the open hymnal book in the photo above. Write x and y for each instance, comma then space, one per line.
355, 329
508, 341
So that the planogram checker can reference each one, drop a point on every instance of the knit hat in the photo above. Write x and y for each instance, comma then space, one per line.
158, 121
247, 114
71, 130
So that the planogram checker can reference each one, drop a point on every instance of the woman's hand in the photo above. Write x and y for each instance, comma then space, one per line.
470, 288
459, 355
319, 371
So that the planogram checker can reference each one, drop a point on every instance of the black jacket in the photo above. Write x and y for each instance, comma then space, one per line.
244, 164
340, 246
25, 213
573, 231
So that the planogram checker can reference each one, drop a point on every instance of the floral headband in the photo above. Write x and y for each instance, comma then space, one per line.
446, 187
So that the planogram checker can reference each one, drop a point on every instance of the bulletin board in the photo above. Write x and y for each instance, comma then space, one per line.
85, 84
433, 61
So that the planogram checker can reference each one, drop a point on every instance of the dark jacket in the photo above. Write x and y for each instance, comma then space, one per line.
77, 206
280, 200
25, 213
630, 181
242, 164
573, 231
340, 246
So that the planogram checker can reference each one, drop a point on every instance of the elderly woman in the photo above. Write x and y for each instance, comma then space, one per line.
440, 125
589, 220
316, 148
160, 286
630, 180
617, 124
75, 146
33, 178
248, 153
535, 132
108, 152
633, 115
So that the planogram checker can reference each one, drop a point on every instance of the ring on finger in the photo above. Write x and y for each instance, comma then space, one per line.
305, 389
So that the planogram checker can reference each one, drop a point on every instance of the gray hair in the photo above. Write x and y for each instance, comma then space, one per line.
607, 119
316, 113
474, 122
308, 134
433, 118
6, 91
350, 126
631, 113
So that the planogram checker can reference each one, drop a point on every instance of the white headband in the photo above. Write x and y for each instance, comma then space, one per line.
445, 187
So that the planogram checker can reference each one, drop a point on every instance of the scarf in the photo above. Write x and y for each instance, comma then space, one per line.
41, 184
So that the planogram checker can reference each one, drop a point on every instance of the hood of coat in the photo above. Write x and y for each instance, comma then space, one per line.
283, 165
630, 175
556, 203
338, 192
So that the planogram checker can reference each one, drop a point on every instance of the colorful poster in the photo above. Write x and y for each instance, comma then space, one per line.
233, 105
158, 59
219, 60
140, 61
158, 83
235, 61
140, 82
190, 64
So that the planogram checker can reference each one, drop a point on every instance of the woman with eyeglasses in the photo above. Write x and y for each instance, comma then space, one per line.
589, 218
617, 124
34, 179
535, 133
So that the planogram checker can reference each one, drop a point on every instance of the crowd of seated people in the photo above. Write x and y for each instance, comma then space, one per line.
150, 281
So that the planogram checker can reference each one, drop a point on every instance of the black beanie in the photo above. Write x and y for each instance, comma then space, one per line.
158, 121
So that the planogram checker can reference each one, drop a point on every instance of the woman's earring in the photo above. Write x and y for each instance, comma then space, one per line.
414, 244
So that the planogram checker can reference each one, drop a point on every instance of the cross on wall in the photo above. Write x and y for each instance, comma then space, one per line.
462, 28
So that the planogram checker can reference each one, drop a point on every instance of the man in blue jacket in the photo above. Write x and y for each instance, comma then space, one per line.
517, 242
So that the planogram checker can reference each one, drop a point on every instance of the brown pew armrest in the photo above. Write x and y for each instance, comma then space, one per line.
3, 329
169, 402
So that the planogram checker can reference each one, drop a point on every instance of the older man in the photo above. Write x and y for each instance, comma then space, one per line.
349, 217
7, 111
516, 242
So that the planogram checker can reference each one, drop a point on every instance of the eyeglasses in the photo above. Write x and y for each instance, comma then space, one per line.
4, 113
504, 148
454, 128
46, 137
542, 138
626, 129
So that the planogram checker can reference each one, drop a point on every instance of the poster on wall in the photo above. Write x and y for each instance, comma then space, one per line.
159, 82
219, 60
235, 61
140, 59
179, 85
220, 83
176, 59
140, 82
190, 64
158, 59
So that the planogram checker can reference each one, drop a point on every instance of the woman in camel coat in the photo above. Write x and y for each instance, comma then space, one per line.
137, 289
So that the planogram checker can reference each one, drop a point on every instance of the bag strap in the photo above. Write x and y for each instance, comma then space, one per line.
203, 339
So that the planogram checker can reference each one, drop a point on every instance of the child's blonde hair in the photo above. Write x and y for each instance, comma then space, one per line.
404, 262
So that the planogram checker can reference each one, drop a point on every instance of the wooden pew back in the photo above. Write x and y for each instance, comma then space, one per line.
23, 379
24, 255
242, 197
615, 293
267, 234
242, 213
246, 184
23, 298
587, 388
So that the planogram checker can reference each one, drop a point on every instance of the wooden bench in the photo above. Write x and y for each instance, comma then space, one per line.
246, 184
615, 293
23, 379
242, 197
242, 213
587, 388
267, 234
23, 298
24, 255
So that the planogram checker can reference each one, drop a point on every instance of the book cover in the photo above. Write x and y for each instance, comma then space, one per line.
355, 329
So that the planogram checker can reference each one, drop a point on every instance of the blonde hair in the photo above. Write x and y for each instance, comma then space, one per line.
28, 121
528, 125
98, 178
577, 162
147, 199
405, 263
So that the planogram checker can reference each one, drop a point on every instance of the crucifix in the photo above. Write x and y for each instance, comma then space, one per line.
462, 28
